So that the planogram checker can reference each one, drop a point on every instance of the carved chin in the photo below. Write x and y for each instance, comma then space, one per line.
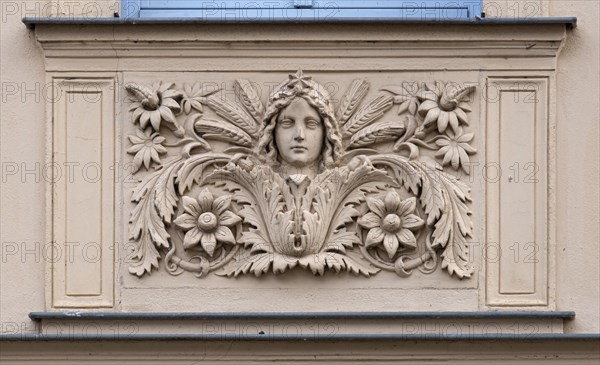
299, 160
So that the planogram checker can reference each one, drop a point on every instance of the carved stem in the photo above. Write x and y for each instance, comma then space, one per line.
215, 265
380, 264
413, 263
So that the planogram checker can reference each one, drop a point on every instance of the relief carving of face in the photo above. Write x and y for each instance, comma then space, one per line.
299, 134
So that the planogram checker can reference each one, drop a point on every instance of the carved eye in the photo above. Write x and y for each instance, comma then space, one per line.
312, 124
286, 123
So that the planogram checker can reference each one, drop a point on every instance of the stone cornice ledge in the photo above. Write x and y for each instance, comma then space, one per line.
349, 326
157, 30
147, 46
210, 316
511, 37
38, 316
570, 22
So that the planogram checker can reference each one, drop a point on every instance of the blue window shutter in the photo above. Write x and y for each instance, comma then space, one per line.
290, 10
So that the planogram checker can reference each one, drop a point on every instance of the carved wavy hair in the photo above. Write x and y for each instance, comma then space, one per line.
316, 97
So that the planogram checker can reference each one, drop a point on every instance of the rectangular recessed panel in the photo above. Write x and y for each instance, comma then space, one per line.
84, 193
517, 192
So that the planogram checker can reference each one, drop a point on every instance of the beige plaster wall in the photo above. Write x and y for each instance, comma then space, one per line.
23, 141
578, 171
516, 8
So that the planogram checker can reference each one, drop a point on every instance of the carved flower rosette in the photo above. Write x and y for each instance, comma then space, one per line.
217, 194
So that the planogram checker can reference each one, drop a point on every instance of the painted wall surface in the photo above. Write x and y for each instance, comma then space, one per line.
25, 252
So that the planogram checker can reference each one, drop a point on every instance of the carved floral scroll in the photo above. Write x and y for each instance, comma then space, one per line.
300, 182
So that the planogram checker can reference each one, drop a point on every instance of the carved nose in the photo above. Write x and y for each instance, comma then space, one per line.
299, 136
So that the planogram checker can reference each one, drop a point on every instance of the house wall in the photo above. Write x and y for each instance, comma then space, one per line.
24, 140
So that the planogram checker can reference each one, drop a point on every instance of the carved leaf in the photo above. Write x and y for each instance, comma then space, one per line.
368, 114
233, 113
165, 193
351, 262
146, 228
378, 132
443, 227
409, 177
316, 263
264, 205
454, 228
342, 239
404, 171
454, 224
333, 201
222, 131
351, 100
193, 169
144, 216
283, 263
337, 262
256, 264
147, 255
432, 199
457, 216
247, 93
455, 258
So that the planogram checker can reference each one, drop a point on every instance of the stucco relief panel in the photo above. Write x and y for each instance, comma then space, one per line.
247, 177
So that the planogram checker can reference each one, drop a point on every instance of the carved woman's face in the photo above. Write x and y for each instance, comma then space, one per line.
299, 134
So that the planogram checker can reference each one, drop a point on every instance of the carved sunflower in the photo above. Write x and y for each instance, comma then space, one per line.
206, 221
155, 105
456, 149
445, 105
391, 221
146, 146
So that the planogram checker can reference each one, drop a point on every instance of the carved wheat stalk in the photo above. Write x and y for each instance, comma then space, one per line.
379, 132
233, 113
222, 132
368, 114
355, 94
249, 96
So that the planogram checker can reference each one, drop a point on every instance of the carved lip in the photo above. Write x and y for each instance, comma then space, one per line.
299, 148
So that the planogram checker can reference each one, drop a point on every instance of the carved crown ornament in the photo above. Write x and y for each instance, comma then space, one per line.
235, 187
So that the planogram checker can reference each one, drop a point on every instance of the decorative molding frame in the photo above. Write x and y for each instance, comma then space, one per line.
127, 51
83, 205
520, 275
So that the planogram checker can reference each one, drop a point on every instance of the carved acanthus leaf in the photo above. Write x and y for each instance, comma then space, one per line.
146, 227
264, 209
194, 168
165, 191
